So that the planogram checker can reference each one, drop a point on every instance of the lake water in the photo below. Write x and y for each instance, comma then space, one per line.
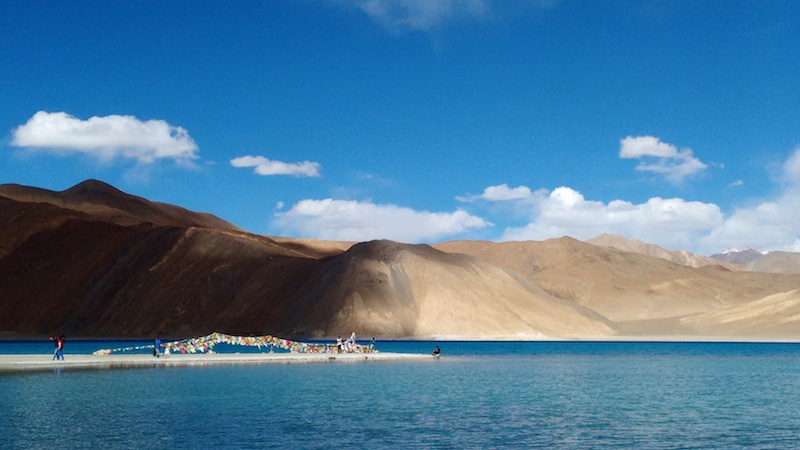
478, 395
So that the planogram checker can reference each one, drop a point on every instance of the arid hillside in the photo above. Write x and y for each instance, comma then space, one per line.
775, 262
679, 257
751, 260
92, 261
644, 296
104, 202
107, 270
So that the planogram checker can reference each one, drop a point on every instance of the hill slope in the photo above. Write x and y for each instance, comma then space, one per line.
678, 257
642, 295
417, 291
776, 262
107, 203
93, 261
107, 265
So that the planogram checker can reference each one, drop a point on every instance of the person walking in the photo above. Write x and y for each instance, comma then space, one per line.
60, 348
55, 347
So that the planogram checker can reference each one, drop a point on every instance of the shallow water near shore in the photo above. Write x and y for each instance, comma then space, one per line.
478, 395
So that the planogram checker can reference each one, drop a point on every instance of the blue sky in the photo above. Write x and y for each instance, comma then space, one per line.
671, 122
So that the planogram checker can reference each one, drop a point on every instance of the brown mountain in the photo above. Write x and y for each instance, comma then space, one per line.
107, 203
107, 265
739, 256
773, 315
775, 262
749, 260
417, 291
94, 278
643, 296
677, 256
93, 261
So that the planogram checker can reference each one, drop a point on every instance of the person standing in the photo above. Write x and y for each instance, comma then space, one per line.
55, 347
60, 348
157, 349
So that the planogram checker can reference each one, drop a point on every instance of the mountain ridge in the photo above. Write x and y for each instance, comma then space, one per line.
104, 201
106, 264
682, 257
736, 256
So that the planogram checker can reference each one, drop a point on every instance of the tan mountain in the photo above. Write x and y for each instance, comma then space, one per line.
416, 291
93, 261
771, 316
100, 269
776, 262
642, 295
677, 256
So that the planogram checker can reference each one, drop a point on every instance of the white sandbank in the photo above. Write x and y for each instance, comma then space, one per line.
15, 363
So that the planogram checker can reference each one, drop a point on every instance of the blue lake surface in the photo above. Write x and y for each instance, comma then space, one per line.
478, 395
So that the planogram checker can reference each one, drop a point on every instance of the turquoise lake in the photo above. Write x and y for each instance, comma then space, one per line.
478, 395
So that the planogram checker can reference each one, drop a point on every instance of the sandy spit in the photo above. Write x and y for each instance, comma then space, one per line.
22, 363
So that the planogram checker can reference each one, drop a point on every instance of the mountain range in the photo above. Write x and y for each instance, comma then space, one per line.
93, 261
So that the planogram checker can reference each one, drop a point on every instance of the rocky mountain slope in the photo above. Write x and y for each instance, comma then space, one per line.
678, 256
622, 286
93, 261
735, 256
750, 259
119, 266
775, 262
107, 203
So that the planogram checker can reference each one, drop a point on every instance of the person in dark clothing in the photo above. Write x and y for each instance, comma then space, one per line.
55, 347
436, 351
157, 348
60, 348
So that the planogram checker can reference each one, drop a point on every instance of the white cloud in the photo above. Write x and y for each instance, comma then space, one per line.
343, 220
501, 193
660, 157
419, 15
791, 168
106, 137
769, 225
429, 15
672, 223
675, 224
772, 225
264, 166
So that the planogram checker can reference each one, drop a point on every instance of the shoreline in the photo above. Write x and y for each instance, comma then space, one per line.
677, 338
45, 362
597, 339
